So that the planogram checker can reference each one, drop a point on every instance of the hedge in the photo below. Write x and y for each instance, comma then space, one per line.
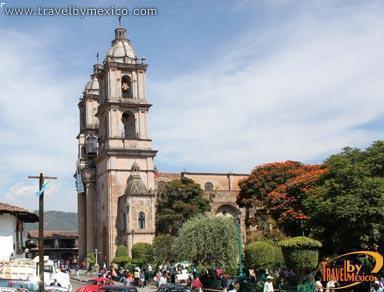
300, 253
142, 253
259, 254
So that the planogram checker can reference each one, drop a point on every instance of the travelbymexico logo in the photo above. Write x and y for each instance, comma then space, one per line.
351, 269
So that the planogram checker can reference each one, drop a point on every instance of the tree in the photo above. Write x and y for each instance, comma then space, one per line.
347, 207
301, 254
260, 254
142, 253
91, 258
209, 242
178, 201
121, 257
276, 190
164, 249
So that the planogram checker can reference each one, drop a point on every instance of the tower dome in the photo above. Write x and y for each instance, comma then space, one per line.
121, 50
92, 86
135, 186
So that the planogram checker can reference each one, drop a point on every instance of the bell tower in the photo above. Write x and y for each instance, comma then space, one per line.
124, 150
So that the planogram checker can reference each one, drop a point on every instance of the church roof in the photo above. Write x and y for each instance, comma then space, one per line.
121, 50
92, 86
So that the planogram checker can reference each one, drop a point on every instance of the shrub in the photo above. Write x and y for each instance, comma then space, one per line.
300, 254
142, 253
259, 254
164, 249
121, 257
121, 250
91, 258
279, 257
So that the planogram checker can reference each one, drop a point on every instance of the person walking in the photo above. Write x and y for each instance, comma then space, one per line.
163, 280
196, 284
268, 285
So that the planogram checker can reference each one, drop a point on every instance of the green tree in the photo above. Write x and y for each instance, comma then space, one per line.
347, 208
178, 201
209, 242
300, 254
91, 258
121, 257
164, 249
259, 254
142, 253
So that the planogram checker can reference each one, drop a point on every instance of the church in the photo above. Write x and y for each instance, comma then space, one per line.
117, 180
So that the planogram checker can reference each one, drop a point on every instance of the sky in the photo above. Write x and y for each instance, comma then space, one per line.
233, 84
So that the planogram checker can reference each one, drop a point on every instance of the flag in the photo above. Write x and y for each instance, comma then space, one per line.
43, 188
79, 182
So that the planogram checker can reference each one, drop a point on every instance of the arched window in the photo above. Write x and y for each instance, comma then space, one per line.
208, 186
126, 86
141, 220
128, 120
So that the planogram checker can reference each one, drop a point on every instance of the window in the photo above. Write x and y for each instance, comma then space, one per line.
128, 120
208, 186
141, 220
126, 86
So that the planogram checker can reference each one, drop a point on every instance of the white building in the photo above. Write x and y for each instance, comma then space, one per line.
12, 234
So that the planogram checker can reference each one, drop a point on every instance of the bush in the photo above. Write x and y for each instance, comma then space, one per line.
121, 250
209, 242
279, 257
91, 258
259, 254
142, 253
121, 257
164, 249
300, 254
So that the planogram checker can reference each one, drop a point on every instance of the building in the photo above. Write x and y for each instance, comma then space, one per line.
12, 234
58, 245
116, 176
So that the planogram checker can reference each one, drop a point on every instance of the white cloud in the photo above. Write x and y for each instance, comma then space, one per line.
292, 88
23, 194
38, 115
295, 91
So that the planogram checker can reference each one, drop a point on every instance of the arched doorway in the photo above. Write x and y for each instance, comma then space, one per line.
226, 210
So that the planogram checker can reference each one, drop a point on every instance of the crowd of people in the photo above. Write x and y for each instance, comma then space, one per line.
133, 276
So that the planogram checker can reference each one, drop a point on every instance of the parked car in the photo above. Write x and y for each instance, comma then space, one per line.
118, 289
173, 288
93, 284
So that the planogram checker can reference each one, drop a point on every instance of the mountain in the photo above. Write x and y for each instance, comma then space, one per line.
55, 221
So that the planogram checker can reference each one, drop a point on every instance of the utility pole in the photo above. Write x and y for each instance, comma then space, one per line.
41, 178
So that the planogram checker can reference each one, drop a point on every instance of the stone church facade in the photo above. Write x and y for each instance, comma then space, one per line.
116, 175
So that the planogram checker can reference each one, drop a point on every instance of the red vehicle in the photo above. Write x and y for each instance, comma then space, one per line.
94, 284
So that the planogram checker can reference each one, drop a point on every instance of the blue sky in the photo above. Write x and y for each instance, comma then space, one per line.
234, 84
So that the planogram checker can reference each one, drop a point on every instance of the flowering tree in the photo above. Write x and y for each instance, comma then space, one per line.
276, 189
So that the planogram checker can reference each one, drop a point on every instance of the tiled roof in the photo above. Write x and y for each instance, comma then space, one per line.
54, 234
21, 213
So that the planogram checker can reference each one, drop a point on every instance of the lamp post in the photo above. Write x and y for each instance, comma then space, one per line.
240, 243
96, 265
